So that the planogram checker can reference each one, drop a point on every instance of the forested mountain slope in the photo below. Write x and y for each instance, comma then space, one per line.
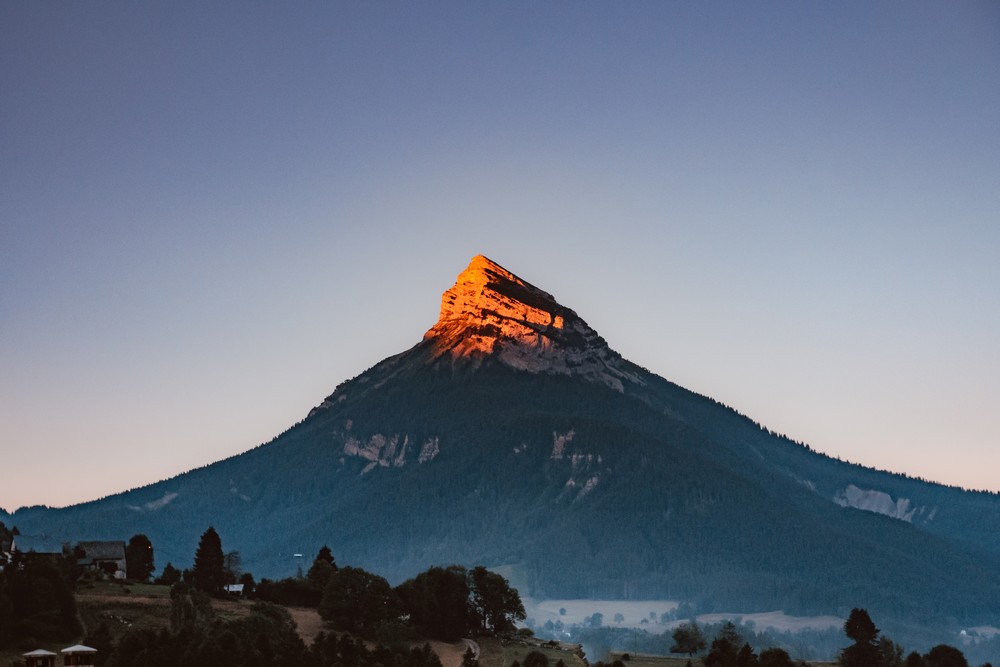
513, 435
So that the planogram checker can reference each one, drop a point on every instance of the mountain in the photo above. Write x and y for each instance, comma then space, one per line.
513, 435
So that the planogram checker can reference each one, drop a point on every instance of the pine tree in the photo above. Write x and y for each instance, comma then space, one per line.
746, 657
170, 575
725, 647
209, 572
323, 567
469, 658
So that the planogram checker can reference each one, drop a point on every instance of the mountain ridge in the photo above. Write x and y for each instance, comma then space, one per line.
460, 450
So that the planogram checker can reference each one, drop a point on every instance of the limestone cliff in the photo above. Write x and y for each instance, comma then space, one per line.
490, 313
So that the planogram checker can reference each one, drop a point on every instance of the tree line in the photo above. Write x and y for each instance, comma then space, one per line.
37, 604
869, 648
443, 603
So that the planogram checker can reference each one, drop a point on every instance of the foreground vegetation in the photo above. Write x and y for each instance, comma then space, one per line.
729, 648
190, 618
185, 620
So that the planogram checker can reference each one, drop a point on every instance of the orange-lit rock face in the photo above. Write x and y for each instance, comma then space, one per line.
491, 313
476, 315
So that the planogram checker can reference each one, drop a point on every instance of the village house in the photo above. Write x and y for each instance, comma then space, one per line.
40, 658
41, 545
105, 557
77, 656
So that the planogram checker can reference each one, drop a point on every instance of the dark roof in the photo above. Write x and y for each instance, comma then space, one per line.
39, 544
103, 550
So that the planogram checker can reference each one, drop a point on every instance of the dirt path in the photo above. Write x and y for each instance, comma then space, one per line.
307, 622
451, 654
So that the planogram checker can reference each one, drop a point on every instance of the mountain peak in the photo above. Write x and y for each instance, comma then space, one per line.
490, 313
481, 268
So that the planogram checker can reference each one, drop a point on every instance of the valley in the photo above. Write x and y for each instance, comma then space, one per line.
650, 615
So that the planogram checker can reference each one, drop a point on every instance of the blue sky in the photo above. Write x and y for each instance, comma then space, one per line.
211, 214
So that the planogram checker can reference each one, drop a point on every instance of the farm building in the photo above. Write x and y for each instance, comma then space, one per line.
40, 658
79, 655
42, 545
106, 557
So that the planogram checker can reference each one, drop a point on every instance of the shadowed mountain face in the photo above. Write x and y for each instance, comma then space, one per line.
513, 435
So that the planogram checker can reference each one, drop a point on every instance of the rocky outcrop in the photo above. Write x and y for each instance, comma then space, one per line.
490, 313
387, 451
879, 502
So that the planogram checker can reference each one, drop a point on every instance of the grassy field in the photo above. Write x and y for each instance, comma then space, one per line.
124, 606
503, 653
645, 615
634, 613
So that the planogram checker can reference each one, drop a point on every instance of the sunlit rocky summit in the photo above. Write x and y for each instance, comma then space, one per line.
512, 435
492, 314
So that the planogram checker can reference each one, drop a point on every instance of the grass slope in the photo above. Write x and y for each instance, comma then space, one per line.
503, 652
124, 605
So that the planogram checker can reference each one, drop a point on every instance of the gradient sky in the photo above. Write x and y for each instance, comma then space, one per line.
213, 213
